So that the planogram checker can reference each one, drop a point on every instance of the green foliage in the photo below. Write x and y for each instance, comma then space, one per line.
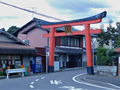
101, 56
111, 56
117, 37
12, 29
112, 33
106, 57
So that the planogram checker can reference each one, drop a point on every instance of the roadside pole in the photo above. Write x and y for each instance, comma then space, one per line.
93, 51
93, 54
47, 55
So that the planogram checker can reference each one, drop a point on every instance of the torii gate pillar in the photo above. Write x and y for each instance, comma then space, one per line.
90, 69
87, 32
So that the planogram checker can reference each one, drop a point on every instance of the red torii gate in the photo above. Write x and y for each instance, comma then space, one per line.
87, 32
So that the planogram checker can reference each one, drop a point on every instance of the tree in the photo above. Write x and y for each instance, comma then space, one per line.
103, 38
111, 34
117, 37
12, 29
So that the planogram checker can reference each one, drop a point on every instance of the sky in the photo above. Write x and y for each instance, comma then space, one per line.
61, 9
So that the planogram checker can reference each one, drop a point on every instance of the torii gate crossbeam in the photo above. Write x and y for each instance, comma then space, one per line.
86, 22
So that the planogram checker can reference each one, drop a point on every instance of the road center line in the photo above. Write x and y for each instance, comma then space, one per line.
31, 86
37, 80
42, 77
32, 82
88, 83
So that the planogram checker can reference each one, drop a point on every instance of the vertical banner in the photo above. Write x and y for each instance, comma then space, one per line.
119, 67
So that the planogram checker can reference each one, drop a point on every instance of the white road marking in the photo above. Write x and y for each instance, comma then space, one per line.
88, 83
32, 82
55, 82
51, 81
72, 88
113, 85
42, 77
37, 80
31, 86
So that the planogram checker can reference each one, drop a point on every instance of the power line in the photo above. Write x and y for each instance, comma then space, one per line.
93, 3
30, 11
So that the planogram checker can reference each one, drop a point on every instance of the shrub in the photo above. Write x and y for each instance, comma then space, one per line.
106, 57
101, 56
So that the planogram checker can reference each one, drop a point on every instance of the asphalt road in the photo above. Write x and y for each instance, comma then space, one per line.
64, 80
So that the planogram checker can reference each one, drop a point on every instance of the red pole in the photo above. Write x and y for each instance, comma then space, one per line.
52, 46
88, 50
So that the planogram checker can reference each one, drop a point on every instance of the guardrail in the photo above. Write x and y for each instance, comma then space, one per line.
20, 70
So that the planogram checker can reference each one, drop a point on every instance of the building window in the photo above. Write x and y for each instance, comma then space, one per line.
70, 41
66, 41
78, 42
9, 60
62, 40
75, 41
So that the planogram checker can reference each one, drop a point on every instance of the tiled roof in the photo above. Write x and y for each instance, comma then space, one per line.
117, 50
11, 36
14, 48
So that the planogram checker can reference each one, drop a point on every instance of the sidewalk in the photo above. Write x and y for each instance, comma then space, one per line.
111, 82
32, 74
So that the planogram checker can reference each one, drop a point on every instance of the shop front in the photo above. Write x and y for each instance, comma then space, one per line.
13, 61
13, 52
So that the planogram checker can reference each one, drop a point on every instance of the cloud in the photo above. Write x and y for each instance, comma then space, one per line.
76, 6
62, 9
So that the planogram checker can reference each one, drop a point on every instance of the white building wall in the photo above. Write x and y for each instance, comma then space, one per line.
56, 66
26, 60
84, 60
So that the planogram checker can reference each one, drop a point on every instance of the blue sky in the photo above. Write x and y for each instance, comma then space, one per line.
62, 9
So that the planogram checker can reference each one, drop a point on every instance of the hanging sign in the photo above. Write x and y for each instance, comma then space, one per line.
67, 29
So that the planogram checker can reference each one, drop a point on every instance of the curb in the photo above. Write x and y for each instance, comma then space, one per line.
100, 83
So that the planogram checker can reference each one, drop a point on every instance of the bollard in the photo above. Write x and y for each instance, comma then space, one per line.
8, 67
22, 66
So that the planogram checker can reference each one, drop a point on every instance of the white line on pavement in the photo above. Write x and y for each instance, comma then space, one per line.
42, 77
88, 83
32, 82
37, 80
113, 85
31, 86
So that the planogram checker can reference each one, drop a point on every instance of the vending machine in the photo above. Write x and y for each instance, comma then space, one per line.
37, 64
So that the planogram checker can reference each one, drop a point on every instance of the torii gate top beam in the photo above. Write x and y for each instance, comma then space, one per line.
95, 19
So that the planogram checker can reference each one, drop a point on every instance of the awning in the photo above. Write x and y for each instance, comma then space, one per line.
70, 51
14, 48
